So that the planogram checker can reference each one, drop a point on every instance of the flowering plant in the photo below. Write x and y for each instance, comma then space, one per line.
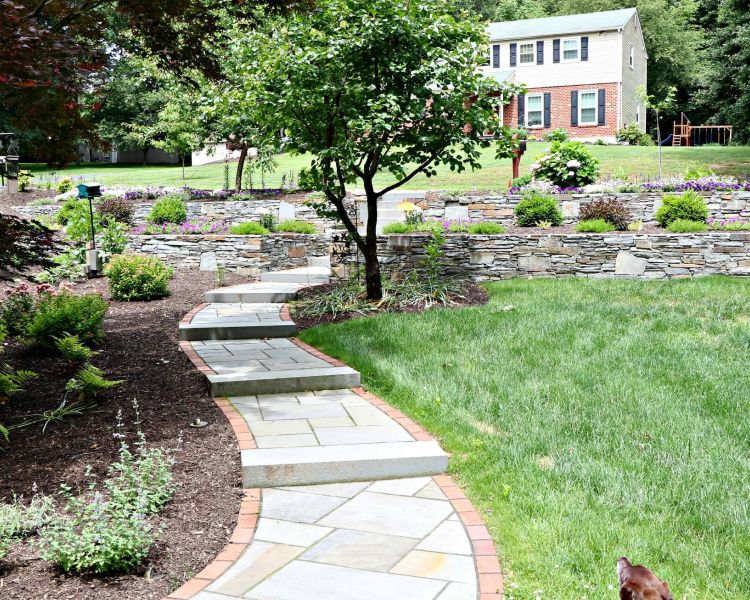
201, 226
709, 183
739, 222
567, 164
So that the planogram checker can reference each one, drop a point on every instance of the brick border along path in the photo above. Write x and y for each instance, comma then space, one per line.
233, 573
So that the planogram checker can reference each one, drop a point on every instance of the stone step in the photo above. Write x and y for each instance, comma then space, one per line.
272, 467
319, 261
301, 275
255, 292
237, 330
293, 380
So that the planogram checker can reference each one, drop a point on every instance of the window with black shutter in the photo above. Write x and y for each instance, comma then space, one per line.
602, 106
574, 108
540, 53
521, 109
555, 51
513, 50
547, 110
495, 56
585, 48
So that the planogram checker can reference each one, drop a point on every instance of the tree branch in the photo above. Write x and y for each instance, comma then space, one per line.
411, 175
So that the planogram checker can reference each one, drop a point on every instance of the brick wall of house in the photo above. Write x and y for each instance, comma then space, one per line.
560, 112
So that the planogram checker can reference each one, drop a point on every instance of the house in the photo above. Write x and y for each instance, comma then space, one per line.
582, 72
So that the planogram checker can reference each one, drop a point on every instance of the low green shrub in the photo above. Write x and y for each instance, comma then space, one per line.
295, 227
633, 135
610, 210
18, 520
67, 313
521, 181
17, 310
24, 180
78, 221
248, 228
396, 228
68, 208
557, 135
594, 226
535, 207
168, 209
566, 164
486, 228
64, 185
115, 209
686, 226
136, 277
141, 480
690, 206
114, 238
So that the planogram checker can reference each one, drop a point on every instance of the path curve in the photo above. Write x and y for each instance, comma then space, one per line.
345, 497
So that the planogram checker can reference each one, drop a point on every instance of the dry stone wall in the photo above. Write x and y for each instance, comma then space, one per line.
247, 254
647, 256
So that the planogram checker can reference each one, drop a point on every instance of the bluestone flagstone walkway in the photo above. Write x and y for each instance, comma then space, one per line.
344, 495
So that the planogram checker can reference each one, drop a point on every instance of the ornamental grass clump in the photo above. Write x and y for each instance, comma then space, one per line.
535, 208
136, 277
248, 228
610, 210
485, 228
686, 226
293, 226
690, 206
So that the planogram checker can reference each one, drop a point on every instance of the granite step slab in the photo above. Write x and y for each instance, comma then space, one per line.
255, 292
278, 381
301, 275
313, 465
238, 330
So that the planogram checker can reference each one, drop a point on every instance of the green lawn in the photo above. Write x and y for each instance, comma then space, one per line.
638, 163
595, 419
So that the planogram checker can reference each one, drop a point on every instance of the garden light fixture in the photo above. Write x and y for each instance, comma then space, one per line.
90, 191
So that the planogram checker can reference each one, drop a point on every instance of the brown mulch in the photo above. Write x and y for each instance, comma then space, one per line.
141, 347
471, 294
22, 198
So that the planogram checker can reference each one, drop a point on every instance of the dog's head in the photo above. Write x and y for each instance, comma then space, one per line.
639, 583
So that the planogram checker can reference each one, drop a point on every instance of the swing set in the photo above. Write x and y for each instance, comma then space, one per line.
687, 134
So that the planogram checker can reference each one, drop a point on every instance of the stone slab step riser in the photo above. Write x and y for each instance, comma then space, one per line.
293, 278
199, 332
339, 464
248, 297
278, 382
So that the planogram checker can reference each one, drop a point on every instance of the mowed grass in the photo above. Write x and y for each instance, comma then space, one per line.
638, 163
594, 419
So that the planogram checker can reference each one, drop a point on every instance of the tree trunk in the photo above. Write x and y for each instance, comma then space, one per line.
658, 143
373, 281
240, 167
183, 167
145, 155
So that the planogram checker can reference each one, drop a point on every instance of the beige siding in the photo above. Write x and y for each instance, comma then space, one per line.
633, 77
603, 65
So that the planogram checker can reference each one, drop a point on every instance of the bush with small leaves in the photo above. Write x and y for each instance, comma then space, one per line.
396, 228
115, 209
486, 228
690, 206
114, 239
633, 135
141, 480
536, 207
557, 135
64, 185
610, 210
67, 313
686, 226
594, 226
293, 226
168, 209
136, 277
248, 228
18, 520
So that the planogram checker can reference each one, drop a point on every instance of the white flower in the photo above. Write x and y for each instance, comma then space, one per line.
535, 167
571, 173
573, 164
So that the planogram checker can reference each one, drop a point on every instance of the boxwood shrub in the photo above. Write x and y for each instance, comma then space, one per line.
137, 277
168, 209
536, 207
690, 206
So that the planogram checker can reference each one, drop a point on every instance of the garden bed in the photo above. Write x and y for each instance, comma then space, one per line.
141, 347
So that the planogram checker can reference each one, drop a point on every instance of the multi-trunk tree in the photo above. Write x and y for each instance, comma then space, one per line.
372, 87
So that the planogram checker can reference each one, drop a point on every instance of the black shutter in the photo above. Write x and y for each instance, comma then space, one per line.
547, 110
496, 56
585, 48
555, 51
513, 54
540, 53
602, 105
574, 108
521, 109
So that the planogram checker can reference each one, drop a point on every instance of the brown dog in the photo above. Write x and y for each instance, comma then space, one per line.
638, 583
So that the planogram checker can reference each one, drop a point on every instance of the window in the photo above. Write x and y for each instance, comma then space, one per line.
570, 50
638, 113
587, 106
534, 110
632, 56
527, 54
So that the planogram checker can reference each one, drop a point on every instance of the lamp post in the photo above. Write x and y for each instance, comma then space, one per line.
9, 160
90, 191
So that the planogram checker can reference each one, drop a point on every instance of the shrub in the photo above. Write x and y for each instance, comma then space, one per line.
248, 228
633, 135
24, 180
295, 227
115, 209
686, 226
612, 211
17, 310
536, 207
78, 221
67, 313
557, 135
135, 277
486, 228
168, 209
594, 226
69, 207
567, 164
690, 206
395, 228
18, 521
521, 181
142, 480
64, 185
114, 240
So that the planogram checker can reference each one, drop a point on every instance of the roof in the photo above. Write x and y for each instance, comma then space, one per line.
563, 25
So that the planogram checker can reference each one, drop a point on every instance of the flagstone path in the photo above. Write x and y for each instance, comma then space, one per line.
345, 497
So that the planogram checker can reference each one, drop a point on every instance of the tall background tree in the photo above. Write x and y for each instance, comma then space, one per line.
369, 87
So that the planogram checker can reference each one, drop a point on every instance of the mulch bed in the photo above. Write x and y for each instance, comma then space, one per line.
141, 346
470, 295
22, 198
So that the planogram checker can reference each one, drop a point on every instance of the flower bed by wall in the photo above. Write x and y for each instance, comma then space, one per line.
247, 254
648, 256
